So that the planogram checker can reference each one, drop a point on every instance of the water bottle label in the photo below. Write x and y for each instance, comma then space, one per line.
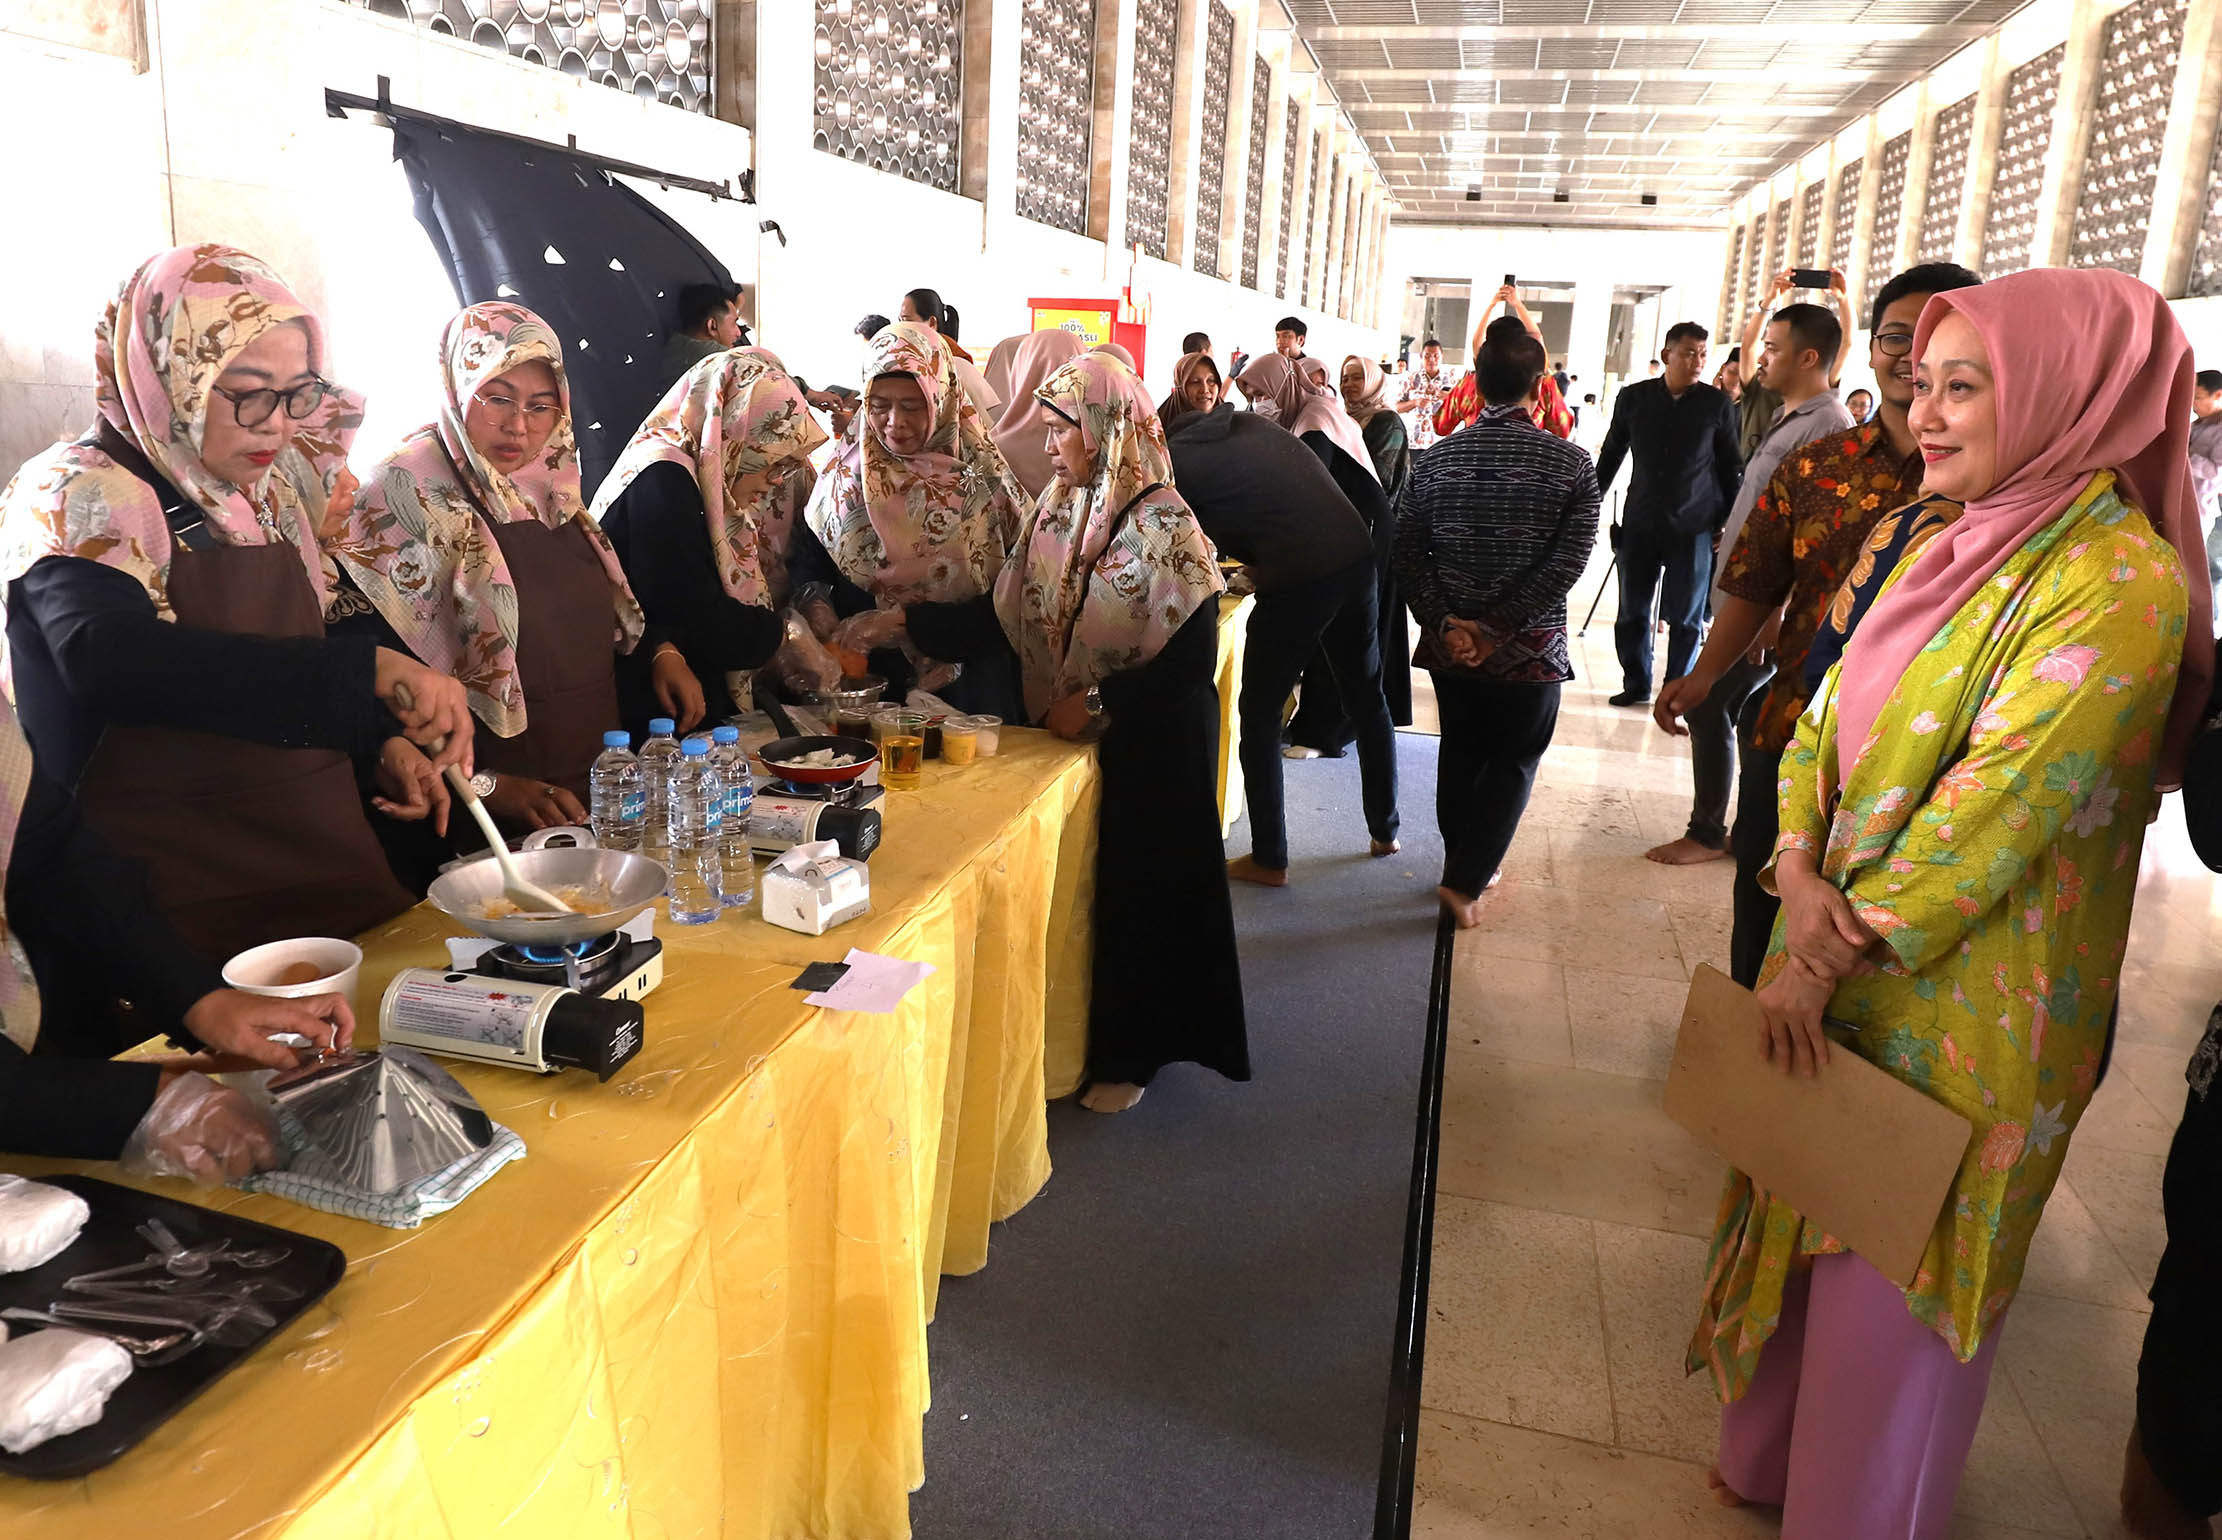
633, 806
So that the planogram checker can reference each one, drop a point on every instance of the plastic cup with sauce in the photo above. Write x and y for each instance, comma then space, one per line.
902, 748
960, 740
988, 734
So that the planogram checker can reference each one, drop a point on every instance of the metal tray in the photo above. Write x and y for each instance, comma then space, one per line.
151, 1396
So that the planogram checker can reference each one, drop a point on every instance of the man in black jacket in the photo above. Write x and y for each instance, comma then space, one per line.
1681, 433
1265, 500
78, 928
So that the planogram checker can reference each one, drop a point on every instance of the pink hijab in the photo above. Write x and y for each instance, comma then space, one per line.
1305, 407
1024, 425
2102, 381
1119, 353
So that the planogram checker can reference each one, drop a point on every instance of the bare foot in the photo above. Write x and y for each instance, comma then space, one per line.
2149, 1511
1246, 869
1724, 1494
1466, 910
1385, 848
1684, 852
1109, 1096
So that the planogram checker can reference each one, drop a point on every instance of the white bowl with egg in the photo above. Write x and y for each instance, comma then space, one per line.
281, 968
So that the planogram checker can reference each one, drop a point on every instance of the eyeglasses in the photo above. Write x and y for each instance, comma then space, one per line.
1896, 344
539, 414
253, 407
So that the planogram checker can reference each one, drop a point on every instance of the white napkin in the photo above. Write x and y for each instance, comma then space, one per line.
37, 1222
54, 1382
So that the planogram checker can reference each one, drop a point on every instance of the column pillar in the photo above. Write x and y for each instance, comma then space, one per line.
1111, 138
2071, 116
2186, 152
1920, 151
1863, 220
1235, 166
1982, 156
1188, 118
1588, 329
1277, 108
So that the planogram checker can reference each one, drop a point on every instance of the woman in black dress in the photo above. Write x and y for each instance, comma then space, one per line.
1109, 603
703, 506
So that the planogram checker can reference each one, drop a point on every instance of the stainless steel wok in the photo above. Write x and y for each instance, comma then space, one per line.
632, 882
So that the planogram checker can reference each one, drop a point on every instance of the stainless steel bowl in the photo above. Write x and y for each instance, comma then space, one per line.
633, 882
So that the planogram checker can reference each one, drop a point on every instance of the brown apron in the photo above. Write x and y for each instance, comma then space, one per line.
243, 843
568, 667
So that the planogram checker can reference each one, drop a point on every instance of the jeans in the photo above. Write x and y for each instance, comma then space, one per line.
1338, 616
1713, 734
1752, 841
1494, 732
1652, 558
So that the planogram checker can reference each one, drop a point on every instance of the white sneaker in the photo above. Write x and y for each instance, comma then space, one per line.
1298, 751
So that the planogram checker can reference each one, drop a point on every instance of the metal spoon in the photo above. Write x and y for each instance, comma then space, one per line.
175, 1344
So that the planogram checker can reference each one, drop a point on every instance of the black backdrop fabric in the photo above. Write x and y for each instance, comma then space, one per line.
496, 209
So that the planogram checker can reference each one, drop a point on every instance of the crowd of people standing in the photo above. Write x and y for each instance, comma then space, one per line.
1961, 642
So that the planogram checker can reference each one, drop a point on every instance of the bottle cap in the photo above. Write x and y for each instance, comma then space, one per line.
661, 727
726, 734
695, 748
617, 740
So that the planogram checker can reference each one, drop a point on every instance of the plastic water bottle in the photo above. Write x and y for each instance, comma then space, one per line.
659, 761
737, 875
619, 802
697, 822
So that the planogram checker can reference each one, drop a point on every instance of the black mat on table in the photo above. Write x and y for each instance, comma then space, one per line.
1188, 1333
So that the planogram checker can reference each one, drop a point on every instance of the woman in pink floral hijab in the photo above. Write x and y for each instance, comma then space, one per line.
164, 593
1110, 603
703, 505
435, 542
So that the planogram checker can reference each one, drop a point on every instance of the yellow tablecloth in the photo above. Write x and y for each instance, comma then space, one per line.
698, 1307
1234, 631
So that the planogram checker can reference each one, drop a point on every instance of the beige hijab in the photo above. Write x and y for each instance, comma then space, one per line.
1024, 424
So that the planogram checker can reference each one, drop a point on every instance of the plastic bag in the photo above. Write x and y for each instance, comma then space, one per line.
868, 629
37, 1222
814, 603
204, 1132
804, 666
54, 1382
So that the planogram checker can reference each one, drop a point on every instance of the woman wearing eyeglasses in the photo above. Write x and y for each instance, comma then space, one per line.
164, 603
470, 547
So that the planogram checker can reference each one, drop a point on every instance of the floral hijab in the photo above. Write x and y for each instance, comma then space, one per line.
1106, 573
741, 428
418, 541
930, 526
172, 330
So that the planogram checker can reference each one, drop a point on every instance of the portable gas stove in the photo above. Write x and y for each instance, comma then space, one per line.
608, 967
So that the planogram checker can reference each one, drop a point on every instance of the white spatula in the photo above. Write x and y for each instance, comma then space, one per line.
523, 894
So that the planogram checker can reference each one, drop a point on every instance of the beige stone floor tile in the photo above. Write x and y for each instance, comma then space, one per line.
2120, 1117
1560, 802
1561, 925
1623, 1025
1664, 815
1572, 1141
1612, 863
1513, 1331
2075, 1368
1512, 1009
2009, 1478
2122, 1191
1651, 1280
2071, 1258
2157, 1072
1701, 932
1528, 862
1483, 1481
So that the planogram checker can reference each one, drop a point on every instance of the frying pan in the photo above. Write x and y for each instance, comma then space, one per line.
633, 882
780, 754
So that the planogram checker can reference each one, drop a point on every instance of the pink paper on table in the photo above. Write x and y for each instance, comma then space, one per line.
873, 983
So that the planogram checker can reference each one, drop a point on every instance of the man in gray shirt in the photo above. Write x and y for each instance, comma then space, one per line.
1802, 342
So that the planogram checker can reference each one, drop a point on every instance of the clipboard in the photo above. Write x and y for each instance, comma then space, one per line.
1862, 1154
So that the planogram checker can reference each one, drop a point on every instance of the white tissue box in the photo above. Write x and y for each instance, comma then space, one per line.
816, 895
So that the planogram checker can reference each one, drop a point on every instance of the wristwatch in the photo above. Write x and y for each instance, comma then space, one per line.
1093, 700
